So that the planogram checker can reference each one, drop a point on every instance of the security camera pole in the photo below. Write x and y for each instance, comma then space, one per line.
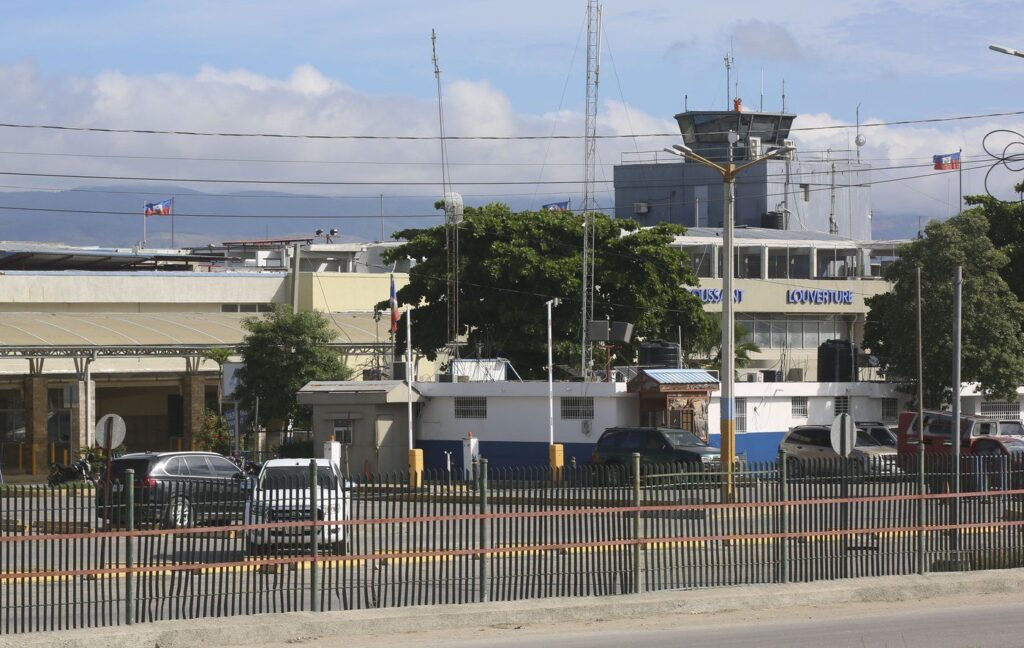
727, 402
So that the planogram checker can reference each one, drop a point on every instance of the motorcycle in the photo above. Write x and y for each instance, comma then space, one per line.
61, 474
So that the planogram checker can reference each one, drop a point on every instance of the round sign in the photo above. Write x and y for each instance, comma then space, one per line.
844, 435
110, 431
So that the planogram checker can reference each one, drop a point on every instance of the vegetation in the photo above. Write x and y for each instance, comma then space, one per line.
213, 435
282, 352
511, 263
993, 346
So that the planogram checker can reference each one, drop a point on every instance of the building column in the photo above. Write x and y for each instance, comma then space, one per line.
83, 410
764, 262
36, 433
193, 401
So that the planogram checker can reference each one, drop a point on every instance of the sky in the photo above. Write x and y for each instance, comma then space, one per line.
364, 68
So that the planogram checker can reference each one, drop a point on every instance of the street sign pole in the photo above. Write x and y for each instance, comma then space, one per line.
844, 438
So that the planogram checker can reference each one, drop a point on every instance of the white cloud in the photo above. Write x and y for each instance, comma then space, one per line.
307, 101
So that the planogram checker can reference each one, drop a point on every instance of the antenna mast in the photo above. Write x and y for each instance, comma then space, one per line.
451, 216
589, 160
728, 76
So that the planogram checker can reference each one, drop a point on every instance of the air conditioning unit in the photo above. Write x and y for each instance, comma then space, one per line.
754, 377
754, 147
795, 375
641, 208
791, 154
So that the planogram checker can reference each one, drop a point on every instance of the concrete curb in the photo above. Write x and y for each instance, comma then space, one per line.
285, 628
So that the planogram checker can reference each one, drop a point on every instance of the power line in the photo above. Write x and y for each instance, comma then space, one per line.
153, 131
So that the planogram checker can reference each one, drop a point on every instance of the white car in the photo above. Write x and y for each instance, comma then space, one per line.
281, 494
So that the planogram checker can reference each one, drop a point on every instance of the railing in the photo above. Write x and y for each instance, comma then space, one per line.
132, 552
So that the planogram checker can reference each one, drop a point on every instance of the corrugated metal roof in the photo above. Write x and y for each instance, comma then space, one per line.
680, 376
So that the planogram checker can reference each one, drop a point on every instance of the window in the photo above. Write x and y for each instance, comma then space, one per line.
12, 417
222, 467
577, 407
175, 467
470, 407
741, 415
343, 431
889, 412
198, 467
805, 190
842, 405
798, 405
1001, 409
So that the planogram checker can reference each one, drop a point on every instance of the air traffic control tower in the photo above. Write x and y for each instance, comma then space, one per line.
823, 191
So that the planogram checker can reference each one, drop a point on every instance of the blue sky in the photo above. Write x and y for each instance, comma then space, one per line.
364, 67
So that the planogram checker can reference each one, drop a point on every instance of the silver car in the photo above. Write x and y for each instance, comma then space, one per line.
813, 442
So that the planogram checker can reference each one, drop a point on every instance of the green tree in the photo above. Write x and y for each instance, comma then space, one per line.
282, 352
219, 355
512, 263
993, 347
212, 434
1006, 231
712, 347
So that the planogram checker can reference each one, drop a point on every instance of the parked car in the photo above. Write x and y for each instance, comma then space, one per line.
995, 463
174, 489
937, 431
805, 443
880, 432
281, 494
616, 446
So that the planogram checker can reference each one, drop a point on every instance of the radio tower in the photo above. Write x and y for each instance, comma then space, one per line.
589, 160
452, 216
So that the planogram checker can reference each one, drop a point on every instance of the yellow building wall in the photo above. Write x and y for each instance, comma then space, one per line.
333, 292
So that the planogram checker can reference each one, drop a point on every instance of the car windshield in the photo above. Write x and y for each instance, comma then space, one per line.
865, 439
679, 438
296, 477
1011, 428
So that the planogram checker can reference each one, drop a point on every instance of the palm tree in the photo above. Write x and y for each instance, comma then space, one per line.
744, 346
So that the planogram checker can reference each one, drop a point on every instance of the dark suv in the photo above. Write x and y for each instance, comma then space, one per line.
174, 489
656, 446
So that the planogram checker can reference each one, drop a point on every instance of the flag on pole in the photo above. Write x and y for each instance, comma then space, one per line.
162, 208
394, 307
946, 161
556, 206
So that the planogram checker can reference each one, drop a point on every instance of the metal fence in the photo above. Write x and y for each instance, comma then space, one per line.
135, 550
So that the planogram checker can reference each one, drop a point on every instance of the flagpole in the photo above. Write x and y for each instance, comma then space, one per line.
143, 224
960, 172
172, 222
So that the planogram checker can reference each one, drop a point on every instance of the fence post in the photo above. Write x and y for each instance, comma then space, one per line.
485, 533
783, 517
637, 531
129, 549
314, 532
921, 491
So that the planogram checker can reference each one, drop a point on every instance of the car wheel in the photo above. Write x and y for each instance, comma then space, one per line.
340, 548
179, 514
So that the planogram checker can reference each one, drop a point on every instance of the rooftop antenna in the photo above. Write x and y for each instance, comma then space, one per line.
589, 158
728, 75
859, 140
783, 95
686, 103
761, 107
452, 213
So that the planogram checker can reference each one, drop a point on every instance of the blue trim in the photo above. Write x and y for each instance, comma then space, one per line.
728, 407
500, 454
756, 446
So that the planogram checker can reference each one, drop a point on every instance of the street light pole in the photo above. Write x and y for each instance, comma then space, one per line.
727, 402
551, 377
1006, 50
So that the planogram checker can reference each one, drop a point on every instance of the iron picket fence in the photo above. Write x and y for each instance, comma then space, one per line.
136, 550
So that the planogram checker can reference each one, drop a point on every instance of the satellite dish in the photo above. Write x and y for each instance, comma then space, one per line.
860, 140
733, 137
453, 207
110, 431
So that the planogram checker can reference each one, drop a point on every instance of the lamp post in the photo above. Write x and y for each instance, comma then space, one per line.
551, 377
1006, 50
727, 405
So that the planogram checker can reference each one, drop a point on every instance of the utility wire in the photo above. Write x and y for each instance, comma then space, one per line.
153, 131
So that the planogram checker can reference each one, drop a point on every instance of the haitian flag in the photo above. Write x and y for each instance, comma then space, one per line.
558, 206
162, 208
394, 307
947, 162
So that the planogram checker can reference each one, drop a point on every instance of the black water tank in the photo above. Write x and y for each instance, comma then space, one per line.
659, 353
837, 361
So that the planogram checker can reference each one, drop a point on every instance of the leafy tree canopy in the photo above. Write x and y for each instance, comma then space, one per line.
280, 354
993, 347
512, 263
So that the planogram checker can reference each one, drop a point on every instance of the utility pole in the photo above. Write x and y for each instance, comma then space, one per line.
589, 160
551, 376
958, 283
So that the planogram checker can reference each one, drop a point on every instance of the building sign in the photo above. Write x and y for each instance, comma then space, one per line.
818, 297
714, 295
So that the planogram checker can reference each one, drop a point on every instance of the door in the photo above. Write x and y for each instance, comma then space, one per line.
389, 445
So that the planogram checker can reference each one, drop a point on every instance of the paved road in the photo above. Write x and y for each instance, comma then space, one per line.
944, 624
